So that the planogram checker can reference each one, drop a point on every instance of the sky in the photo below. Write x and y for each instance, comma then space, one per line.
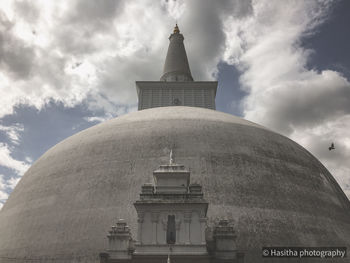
68, 65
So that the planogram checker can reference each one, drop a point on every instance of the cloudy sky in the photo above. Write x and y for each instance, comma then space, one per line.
68, 65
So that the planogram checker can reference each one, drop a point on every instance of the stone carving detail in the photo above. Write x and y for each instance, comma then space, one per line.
172, 213
141, 216
164, 224
187, 216
155, 217
120, 241
178, 223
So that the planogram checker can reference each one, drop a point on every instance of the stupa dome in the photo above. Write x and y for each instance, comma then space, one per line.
273, 191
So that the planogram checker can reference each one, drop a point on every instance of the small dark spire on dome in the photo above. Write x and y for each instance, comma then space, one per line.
176, 29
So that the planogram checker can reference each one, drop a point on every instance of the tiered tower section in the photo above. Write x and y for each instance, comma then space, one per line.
171, 213
176, 86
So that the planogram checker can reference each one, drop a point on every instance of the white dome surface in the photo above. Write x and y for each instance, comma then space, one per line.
273, 190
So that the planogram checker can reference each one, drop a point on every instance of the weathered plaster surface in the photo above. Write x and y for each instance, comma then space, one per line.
272, 189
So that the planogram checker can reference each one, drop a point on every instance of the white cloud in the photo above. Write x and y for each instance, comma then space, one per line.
70, 51
175, 8
318, 138
8, 161
13, 182
3, 185
6, 186
99, 119
13, 132
310, 106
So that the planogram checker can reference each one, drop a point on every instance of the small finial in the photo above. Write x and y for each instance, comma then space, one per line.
170, 249
176, 29
171, 159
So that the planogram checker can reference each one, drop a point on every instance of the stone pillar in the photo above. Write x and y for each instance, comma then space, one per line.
155, 219
177, 224
139, 228
203, 224
225, 241
119, 239
164, 224
187, 221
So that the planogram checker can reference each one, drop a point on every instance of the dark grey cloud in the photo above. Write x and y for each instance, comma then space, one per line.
206, 37
310, 103
75, 41
85, 20
123, 90
16, 57
236, 8
26, 10
93, 12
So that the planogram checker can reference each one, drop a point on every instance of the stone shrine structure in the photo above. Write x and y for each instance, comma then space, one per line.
172, 222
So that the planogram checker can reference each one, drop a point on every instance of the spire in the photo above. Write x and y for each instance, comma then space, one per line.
176, 29
176, 67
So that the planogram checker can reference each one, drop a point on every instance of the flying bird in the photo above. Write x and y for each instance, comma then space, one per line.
331, 147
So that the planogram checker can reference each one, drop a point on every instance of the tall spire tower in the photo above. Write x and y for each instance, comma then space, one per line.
176, 66
176, 86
